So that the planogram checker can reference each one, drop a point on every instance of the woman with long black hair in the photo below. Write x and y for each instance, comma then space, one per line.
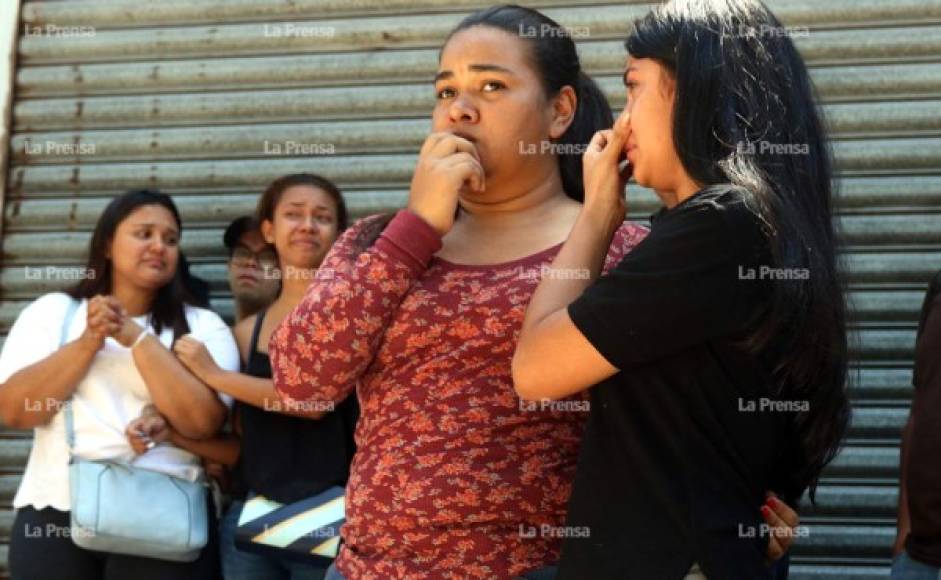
110, 360
716, 350
452, 476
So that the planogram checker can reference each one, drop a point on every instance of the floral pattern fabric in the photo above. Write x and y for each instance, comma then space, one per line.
454, 476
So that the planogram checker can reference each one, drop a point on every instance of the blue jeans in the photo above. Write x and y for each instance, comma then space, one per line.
547, 573
904, 568
333, 573
239, 565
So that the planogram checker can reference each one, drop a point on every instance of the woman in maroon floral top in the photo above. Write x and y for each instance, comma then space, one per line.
454, 477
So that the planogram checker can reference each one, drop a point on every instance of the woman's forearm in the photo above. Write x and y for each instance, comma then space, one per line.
547, 336
576, 266
321, 349
222, 449
190, 406
261, 393
33, 395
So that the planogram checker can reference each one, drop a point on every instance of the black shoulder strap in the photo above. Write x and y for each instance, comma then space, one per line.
253, 343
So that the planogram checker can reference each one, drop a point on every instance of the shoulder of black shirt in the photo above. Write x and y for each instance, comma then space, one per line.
732, 204
715, 196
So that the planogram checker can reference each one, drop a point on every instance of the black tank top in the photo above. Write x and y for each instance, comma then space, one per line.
289, 458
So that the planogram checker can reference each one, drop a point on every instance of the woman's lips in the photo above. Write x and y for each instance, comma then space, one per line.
626, 165
464, 135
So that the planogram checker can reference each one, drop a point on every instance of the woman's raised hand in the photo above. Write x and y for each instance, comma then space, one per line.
128, 330
446, 165
601, 168
102, 321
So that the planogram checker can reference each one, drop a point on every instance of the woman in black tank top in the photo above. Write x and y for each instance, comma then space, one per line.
288, 458
287, 453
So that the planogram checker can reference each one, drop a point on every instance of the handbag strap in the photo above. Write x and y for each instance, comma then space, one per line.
69, 419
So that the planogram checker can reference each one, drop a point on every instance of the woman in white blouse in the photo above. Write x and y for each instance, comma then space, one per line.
112, 360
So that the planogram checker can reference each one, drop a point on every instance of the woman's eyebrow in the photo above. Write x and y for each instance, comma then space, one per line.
446, 74
154, 224
302, 204
490, 68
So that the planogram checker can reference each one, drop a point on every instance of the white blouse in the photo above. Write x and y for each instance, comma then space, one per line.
111, 395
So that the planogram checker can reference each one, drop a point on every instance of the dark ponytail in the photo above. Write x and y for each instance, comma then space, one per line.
555, 58
592, 115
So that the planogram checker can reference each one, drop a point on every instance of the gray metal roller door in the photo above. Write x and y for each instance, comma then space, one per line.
183, 96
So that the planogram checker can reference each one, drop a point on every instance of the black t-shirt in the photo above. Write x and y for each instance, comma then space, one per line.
683, 442
923, 479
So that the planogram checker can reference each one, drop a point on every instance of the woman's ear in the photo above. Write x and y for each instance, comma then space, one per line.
267, 231
563, 111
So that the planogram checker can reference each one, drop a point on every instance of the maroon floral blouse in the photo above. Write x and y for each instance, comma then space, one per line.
454, 476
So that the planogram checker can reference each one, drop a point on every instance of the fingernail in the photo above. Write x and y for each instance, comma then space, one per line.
772, 501
765, 510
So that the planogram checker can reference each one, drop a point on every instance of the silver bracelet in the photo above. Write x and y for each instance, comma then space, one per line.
143, 334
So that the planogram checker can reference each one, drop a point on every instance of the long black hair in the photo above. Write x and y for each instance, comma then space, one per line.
555, 58
168, 307
744, 97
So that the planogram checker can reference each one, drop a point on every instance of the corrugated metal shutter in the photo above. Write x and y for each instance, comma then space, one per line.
183, 95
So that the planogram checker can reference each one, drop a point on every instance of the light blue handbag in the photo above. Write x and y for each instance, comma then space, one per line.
122, 509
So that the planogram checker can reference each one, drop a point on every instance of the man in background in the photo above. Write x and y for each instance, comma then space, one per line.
252, 267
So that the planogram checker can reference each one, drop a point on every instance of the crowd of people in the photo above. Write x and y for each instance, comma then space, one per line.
506, 378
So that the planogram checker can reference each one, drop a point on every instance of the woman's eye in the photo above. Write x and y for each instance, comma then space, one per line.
172, 241
292, 214
491, 86
142, 234
325, 219
445, 93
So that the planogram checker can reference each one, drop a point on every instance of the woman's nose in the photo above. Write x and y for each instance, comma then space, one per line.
158, 245
463, 111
